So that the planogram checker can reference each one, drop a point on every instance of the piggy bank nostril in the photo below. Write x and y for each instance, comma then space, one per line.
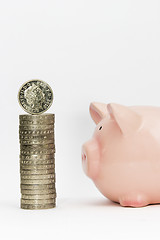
83, 157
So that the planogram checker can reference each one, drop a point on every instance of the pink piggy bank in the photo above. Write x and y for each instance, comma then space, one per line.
123, 157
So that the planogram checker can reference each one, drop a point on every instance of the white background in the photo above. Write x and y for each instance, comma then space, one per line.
106, 51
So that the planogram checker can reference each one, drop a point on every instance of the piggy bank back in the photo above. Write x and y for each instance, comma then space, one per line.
123, 156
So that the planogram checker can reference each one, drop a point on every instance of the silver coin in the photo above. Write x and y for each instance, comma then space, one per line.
35, 132
37, 181
37, 177
38, 172
37, 207
37, 167
36, 127
38, 141
36, 137
41, 196
32, 147
35, 96
37, 162
37, 157
36, 122
37, 186
37, 201
46, 116
36, 152
38, 192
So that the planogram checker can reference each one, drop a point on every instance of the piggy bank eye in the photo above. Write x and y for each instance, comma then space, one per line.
100, 128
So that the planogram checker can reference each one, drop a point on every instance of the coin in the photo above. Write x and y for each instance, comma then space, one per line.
36, 157
37, 172
35, 127
37, 201
43, 117
36, 162
35, 132
36, 152
30, 147
38, 192
39, 141
36, 122
35, 96
41, 196
37, 186
37, 177
37, 167
36, 137
36, 207
37, 181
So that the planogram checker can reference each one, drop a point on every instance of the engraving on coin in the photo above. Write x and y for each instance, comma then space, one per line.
35, 96
39, 206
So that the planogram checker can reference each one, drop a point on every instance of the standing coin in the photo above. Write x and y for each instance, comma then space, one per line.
35, 96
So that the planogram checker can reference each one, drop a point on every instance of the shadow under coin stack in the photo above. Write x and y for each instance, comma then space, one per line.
37, 161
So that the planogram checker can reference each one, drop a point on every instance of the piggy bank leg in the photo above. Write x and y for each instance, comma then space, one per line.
133, 200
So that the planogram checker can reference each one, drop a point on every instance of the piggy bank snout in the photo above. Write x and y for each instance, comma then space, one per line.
90, 158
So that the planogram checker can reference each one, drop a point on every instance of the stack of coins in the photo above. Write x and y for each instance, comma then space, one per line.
37, 146
37, 161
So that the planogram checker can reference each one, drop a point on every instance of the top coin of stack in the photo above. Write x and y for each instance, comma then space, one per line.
35, 97
37, 147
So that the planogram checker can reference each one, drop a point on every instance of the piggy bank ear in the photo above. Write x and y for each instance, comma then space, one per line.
98, 111
128, 121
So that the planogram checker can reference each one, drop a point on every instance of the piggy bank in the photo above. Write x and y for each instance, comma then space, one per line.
123, 156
